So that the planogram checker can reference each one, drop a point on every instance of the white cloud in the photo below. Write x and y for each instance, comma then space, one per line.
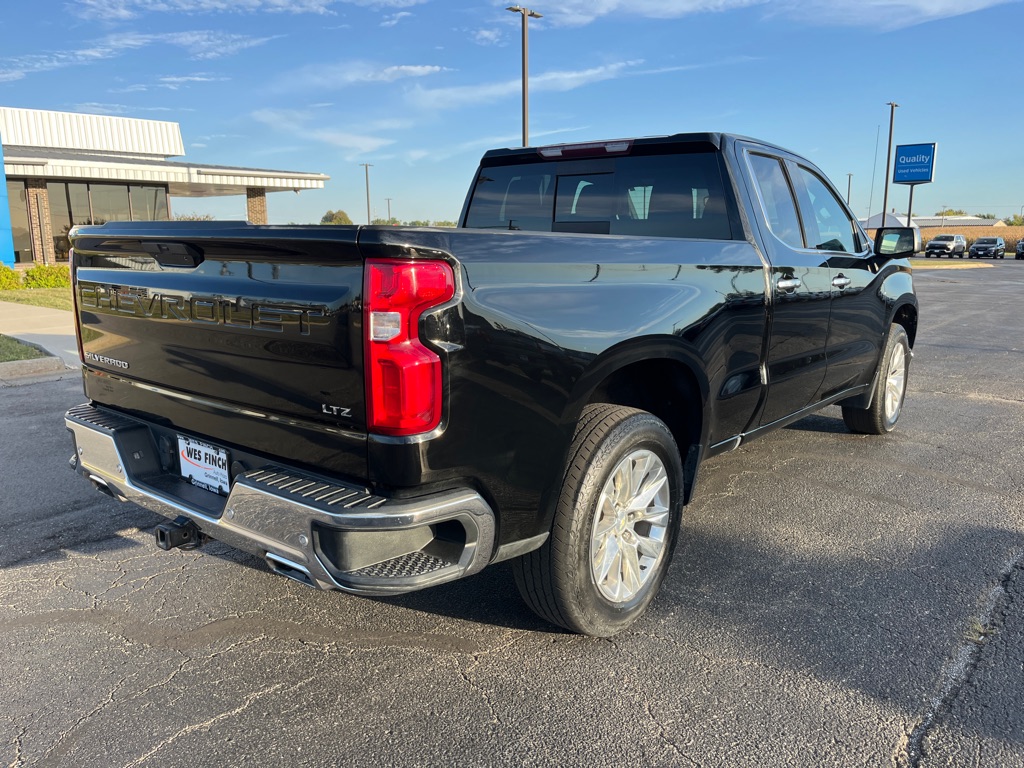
99, 108
487, 37
580, 12
885, 14
302, 124
120, 10
461, 95
170, 83
200, 44
888, 14
206, 44
333, 76
394, 18
487, 142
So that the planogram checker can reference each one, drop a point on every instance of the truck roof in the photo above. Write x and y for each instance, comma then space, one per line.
701, 140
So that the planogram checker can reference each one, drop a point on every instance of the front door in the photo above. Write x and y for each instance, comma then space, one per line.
801, 291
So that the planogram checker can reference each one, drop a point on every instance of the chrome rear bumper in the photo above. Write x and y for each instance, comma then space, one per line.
317, 530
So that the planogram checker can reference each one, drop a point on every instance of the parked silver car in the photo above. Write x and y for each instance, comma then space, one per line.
946, 245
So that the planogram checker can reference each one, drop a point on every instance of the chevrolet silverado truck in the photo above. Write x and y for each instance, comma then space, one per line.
379, 409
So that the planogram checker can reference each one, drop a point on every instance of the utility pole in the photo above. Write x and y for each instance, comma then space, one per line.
849, 183
527, 15
389, 209
888, 161
367, 167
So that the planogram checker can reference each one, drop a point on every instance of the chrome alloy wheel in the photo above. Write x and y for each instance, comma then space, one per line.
895, 382
627, 541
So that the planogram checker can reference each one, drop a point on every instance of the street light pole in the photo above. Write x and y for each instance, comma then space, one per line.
527, 14
849, 183
367, 167
389, 209
888, 161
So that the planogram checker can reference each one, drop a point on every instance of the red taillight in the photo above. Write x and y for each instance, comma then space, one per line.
403, 377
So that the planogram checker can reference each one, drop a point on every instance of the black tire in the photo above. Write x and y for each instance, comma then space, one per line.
880, 418
558, 581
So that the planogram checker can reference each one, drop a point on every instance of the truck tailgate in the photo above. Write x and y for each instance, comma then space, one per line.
251, 336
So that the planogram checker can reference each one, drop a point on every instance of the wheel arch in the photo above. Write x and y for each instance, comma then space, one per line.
905, 314
660, 375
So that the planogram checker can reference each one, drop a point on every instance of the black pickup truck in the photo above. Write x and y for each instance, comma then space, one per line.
378, 410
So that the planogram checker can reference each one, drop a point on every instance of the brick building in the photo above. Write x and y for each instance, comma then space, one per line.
60, 169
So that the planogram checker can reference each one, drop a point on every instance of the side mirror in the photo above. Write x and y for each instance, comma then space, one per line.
897, 241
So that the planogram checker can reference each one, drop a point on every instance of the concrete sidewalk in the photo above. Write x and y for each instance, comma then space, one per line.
51, 329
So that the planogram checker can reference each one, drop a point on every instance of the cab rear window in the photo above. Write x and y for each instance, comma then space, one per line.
679, 195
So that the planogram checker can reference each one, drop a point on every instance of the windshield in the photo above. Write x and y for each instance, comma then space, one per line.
944, 238
986, 241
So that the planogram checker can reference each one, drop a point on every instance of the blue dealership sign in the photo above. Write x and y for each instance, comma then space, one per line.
915, 164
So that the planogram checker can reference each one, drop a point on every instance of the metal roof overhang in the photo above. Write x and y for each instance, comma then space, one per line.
182, 179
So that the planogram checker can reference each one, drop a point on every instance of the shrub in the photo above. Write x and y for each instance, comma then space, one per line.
48, 276
10, 280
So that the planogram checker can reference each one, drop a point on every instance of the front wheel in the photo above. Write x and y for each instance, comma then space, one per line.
890, 388
615, 524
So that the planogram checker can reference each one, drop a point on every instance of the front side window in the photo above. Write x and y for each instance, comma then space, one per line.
828, 226
777, 198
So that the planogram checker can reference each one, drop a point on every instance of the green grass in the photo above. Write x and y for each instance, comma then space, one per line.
53, 298
12, 349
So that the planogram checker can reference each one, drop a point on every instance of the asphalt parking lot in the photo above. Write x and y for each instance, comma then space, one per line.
835, 600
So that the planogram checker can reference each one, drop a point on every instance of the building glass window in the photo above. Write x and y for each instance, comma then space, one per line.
17, 195
60, 217
109, 203
148, 203
78, 196
73, 203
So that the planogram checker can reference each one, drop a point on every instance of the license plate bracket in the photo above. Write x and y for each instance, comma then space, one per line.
203, 465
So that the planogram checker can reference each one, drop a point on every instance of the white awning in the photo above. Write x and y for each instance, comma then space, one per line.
183, 179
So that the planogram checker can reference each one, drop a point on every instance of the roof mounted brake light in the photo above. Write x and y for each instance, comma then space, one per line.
591, 149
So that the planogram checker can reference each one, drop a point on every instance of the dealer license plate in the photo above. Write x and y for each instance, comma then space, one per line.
204, 465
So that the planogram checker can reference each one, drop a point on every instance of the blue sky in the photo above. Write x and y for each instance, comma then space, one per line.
420, 88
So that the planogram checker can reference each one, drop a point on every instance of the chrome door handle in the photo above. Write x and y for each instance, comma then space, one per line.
788, 284
841, 282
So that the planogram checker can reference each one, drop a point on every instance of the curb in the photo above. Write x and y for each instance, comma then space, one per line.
25, 371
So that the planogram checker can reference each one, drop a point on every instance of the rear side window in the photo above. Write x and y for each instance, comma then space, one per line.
777, 199
678, 195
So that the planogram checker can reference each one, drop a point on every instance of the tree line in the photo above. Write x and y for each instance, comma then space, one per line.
340, 217
1011, 221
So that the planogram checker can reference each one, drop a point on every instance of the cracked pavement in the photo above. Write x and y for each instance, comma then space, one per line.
835, 599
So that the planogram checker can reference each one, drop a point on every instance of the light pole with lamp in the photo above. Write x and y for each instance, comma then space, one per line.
367, 167
527, 15
888, 161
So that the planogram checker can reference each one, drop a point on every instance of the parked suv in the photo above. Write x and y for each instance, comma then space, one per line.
988, 247
1020, 249
946, 245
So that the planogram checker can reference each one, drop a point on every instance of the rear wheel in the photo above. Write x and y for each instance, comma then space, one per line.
890, 388
615, 524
